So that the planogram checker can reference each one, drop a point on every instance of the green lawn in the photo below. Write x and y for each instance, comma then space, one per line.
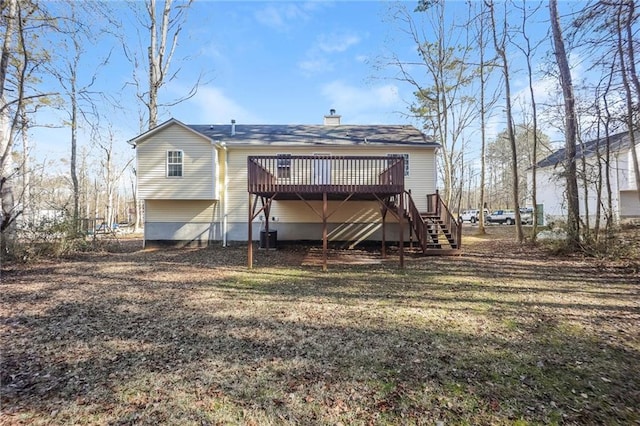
501, 335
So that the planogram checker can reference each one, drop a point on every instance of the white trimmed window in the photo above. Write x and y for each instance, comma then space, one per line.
175, 161
406, 161
284, 166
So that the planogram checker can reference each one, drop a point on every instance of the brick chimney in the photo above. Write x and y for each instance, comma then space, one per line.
332, 119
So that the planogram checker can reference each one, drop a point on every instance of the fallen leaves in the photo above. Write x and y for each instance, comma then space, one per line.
192, 336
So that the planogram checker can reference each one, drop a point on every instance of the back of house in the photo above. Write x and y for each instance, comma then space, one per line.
195, 180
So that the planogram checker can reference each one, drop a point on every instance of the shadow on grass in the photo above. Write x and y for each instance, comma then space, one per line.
176, 337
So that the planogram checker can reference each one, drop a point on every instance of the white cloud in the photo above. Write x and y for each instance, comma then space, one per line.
377, 104
317, 57
211, 105
336, 42
315, 65
279, 16
213, 50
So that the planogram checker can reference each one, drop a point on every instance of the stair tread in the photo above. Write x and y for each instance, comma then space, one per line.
430, 226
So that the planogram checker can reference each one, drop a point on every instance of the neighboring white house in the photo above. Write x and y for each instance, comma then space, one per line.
194, 179
551, 182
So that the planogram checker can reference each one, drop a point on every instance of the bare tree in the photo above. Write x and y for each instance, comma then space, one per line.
500, 46
605, 30
605, 122
630, 78
137, 223
111, 173
441, 78
528, 50
14, 76
483, 118
13, 30
20, 62
163, 32
26, 169
76, 40
573, 207
485, 68
10, 11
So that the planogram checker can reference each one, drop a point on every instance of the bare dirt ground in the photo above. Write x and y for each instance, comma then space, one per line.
504, 334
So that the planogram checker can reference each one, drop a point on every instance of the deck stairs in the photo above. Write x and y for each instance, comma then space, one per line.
436, 231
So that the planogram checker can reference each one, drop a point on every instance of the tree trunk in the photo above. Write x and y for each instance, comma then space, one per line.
8, 123
573, 206
158, 59
74, 147
598, 212
154, 67
500, 49
5, 120
534, 117
26, 172
607, 177
7, 44
483, 133
584, 175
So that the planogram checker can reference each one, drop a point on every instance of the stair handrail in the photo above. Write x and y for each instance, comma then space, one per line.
436, 207
415, 219
449, 219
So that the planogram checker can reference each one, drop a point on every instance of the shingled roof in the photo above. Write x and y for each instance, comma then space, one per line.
258, 134
617, 142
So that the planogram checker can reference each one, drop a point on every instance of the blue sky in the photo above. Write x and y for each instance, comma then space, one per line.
289, 63
259, 62
270, 63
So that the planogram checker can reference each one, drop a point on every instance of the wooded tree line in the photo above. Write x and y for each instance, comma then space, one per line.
48, 62
462, 76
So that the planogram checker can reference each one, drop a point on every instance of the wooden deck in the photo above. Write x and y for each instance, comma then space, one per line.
349, 178
307, 176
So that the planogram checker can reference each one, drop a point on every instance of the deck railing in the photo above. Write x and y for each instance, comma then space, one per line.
332, 174
430, 226
419, 224
437, 207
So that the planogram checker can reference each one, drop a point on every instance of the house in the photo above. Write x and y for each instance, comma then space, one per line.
618, 173
332, 182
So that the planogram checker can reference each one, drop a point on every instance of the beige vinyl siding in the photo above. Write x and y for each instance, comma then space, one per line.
421, 181
351, 211
202, 211
197, 181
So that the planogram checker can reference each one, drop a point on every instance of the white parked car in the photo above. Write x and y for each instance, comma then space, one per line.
472, 215
508, 217
526, 215
502, 216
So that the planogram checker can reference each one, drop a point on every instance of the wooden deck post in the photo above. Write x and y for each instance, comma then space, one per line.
362, 177
401, 226
250, 237
267, 211
324, 231
384, 232
410, 227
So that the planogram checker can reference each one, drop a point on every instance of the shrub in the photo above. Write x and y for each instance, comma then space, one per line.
50, 238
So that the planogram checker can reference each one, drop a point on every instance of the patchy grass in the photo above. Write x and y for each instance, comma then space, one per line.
502, 335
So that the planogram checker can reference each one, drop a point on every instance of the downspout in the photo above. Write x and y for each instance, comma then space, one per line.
226, 187
223, 197
144, 228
